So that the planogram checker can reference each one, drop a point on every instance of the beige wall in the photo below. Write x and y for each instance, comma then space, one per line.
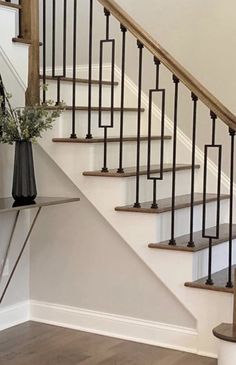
77, 259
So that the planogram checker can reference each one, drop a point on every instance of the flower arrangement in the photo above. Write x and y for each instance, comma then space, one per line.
27, 123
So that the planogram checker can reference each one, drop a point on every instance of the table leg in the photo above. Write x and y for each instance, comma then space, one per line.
20, 254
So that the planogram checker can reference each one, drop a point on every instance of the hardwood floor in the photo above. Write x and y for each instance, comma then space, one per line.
39, 344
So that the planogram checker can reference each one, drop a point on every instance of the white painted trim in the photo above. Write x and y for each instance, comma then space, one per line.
12, 69
117, 326
14, 315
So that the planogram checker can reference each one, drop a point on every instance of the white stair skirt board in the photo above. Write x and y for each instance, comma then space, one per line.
16, 55
226, 353
13, 315
133, 329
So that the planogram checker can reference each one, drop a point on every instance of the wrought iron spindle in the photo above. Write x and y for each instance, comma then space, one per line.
20, 20
89, 134
101, 125
231, 208
73, 134
44, 49
211, 237
65, 38
53, 37
58, 90
157, 90
140, 74
124, 31
195, 100
176, 97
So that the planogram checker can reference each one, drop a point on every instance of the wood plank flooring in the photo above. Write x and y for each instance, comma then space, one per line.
39, 344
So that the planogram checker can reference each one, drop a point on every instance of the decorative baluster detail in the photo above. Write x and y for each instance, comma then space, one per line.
140, 74
124, 31
73, 134
89, 134
231, 207
195, 100
101, 125
157, 90
211, 237
176, 97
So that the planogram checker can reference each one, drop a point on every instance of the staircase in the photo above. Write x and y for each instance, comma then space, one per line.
123, 147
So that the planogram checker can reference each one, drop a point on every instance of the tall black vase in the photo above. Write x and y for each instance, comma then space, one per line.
24, 187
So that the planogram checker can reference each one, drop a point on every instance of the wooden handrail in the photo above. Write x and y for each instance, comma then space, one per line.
30, 31
174, 66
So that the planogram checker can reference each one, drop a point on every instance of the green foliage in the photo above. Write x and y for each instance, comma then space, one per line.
26, 123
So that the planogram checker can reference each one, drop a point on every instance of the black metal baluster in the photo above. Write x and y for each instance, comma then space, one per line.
89, 134
176, 97
20, 21
124, 31
65, 38
195, 100
231, 208
107, 126
151, 92
73, 134
140, 73
44, 50
211, 237
58, 90
53, 37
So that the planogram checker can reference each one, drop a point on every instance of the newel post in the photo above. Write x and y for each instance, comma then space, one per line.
29, 29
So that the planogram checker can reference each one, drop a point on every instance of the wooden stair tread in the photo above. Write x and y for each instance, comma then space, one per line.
110, 139
200, 242
96, 109
9, 5
225, 332
131, 171
79, 80
220, 279
23, 41
165, 205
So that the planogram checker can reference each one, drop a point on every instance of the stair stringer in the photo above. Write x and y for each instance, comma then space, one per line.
14, 55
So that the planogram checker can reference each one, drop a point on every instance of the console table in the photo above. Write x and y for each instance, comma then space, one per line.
9, 205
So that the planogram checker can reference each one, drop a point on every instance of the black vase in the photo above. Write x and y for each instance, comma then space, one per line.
24, 187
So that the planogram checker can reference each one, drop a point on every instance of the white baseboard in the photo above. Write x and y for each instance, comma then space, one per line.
133, 329
14, 315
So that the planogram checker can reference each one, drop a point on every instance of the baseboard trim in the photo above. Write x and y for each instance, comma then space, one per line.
132, 329
15, 314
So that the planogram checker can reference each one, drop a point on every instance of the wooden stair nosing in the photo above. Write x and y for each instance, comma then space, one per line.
10, 5
165, 205
225, 332
131, 171
23, 41
96, 109
200, 242
110, 139
78, 80
220, 279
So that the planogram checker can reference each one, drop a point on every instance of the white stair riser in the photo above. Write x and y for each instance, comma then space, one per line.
82, 93
219, 260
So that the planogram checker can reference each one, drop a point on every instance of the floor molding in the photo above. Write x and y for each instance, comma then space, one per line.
126, 328
15, 314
